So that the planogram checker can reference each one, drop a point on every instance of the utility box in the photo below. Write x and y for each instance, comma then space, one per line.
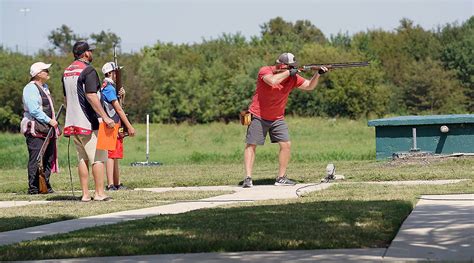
437, 134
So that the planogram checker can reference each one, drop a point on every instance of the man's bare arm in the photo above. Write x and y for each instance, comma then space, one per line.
274, 79
95, 103
311, 84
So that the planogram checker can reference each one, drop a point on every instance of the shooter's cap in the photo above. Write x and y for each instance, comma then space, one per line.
287, 59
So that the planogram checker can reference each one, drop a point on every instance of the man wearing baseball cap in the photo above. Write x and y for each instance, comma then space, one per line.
80, 48
274, 84
81, 87
38, 117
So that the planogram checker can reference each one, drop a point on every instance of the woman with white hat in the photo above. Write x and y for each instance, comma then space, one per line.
38, 117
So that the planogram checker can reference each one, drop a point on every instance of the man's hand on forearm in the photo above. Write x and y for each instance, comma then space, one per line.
95, 103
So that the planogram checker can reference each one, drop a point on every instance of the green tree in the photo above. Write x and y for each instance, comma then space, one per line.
14, 75
341, 40
279, 35
416, 42
105, 41
458, 55
62, 39
430, 88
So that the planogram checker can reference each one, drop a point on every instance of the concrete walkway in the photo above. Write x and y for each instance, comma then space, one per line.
441, 227
5, 204
287, 256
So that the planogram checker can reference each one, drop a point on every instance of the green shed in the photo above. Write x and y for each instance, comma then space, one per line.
437, 134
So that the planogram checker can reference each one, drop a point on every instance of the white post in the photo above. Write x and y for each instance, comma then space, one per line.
25, 10
414, 149
147, 137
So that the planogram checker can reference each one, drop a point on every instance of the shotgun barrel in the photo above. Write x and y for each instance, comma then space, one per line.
43, 189
334, 65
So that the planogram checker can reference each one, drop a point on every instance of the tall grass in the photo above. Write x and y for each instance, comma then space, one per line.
313, 139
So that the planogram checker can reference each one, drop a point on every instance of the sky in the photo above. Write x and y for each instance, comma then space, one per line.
142, 23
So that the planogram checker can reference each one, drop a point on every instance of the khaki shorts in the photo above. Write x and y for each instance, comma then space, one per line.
86, 148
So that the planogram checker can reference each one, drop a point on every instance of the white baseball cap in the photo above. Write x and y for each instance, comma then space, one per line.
108, 67
38, 67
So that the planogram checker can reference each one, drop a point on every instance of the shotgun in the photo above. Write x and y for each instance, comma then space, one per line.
43, 188
329, 66
123, 131
333, 66
118, 77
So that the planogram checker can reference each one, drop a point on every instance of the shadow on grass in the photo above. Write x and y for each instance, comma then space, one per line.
64, 198
269, 181
308, 225
19, 222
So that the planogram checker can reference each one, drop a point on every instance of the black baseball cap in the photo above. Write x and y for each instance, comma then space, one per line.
80, 47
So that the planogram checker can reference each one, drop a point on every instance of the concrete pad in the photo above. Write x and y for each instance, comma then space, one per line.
5, 204
441, 227
325, 255
191, 188
419, 182
255, 193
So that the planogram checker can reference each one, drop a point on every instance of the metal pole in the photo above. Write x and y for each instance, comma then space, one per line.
414, 140
25, 11
147, 137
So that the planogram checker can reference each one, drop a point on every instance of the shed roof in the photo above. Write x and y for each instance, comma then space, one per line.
423, 120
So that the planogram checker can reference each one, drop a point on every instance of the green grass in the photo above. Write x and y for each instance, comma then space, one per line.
15, 180
344, 216
313, 139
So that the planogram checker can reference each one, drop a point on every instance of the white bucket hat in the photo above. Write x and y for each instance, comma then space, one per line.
38, 67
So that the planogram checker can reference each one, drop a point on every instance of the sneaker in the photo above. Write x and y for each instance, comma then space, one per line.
282, 181
50, 191
247, 182
33, 191
110, 188
120, 187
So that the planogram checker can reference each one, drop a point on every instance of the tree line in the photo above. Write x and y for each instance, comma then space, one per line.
412, 71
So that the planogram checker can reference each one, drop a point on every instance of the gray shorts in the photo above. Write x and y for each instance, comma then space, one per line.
258, 129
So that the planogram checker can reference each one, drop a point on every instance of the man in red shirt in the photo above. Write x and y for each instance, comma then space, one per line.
274, 84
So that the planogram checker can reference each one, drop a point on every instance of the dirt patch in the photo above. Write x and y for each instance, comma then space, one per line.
424, 158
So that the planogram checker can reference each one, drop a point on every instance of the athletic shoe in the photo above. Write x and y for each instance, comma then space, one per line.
247, 182
110, 188
33, 191
283, 181
120, 187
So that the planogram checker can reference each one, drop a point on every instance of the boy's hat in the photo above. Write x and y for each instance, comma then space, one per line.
109, 66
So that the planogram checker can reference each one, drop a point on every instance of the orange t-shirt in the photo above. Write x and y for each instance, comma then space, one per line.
269, 102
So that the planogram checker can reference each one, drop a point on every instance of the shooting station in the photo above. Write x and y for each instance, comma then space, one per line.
147, 162
424, 135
